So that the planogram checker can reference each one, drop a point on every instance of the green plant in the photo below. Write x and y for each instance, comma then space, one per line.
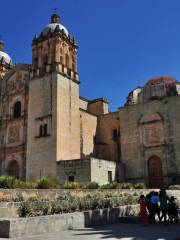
92, 185
174, 187
18, 197
140, 186
7, 182
113, 185
45, 183
125, 185
71, 203
72, 185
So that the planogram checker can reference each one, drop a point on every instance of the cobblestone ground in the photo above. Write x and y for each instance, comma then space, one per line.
112, 232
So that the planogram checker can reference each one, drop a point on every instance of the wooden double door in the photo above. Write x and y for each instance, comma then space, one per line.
155, 172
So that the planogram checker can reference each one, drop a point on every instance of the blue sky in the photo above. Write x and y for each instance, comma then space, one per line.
122, 43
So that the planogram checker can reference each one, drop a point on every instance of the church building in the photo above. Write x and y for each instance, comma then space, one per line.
48, 129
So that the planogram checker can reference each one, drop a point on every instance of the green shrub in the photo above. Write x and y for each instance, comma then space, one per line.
73, 203
92, 185
7, 182
113, 185
174, 187
24, 184
72, 185
18, 197
45, 183
140, 186
125, 185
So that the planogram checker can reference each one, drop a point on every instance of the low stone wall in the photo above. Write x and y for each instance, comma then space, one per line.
16, 227
11, 194
9, 209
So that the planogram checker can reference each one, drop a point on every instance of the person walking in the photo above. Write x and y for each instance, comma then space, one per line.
163, 199
155, 207
143, 210
172, 210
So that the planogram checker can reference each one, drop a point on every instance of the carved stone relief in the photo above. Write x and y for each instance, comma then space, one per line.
152, 134
151, 130
14, 134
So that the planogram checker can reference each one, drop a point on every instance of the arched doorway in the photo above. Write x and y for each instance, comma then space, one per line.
14, 169
155, 172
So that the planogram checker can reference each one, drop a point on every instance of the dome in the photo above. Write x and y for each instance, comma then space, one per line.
167, 81
52, 26
5, 57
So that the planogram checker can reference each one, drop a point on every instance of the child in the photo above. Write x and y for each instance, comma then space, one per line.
143, 210
172, 210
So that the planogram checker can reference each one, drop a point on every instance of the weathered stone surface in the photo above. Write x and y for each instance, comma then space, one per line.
16, 227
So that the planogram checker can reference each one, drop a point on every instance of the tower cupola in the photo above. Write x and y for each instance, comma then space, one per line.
5, 60
55, 18
54, 50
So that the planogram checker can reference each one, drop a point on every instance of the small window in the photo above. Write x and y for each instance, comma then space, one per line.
45, 129
71, 178
17, 110
110, 176
114, 134
41, 130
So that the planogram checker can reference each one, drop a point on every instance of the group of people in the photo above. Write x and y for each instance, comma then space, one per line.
160, 205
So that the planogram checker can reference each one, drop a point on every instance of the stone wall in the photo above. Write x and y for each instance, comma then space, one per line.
88, 127
100, 170
68, 119
106, 146
85, 171
41, 150
155, 137
11, 228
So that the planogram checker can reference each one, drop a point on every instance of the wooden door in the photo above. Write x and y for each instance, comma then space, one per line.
155, 172
14, 169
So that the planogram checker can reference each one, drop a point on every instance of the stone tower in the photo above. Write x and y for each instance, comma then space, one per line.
5, 61
53, 111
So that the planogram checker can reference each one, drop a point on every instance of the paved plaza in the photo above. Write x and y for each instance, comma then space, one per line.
112, 232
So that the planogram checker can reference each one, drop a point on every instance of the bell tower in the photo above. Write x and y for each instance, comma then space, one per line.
54, 50
5, 61
53, 110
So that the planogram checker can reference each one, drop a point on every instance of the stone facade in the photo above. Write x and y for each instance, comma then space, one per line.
48, 129
150, 135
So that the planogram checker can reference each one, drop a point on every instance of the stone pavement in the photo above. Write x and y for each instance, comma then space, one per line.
114, 232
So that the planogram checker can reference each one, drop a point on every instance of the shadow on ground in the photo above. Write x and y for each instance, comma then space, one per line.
132, 232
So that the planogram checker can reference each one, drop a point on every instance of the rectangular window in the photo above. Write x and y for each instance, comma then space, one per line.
110, 176
114, 134
71, 178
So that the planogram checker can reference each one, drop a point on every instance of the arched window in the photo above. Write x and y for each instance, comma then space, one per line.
73, 67
67, 60
61, 59
17, 110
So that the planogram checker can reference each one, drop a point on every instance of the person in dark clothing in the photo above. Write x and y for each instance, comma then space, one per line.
172, 210
149, 206
155, 207
163, 199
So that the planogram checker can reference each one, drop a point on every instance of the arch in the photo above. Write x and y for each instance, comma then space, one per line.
13, 169
67, 60
17, 109
155, 172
